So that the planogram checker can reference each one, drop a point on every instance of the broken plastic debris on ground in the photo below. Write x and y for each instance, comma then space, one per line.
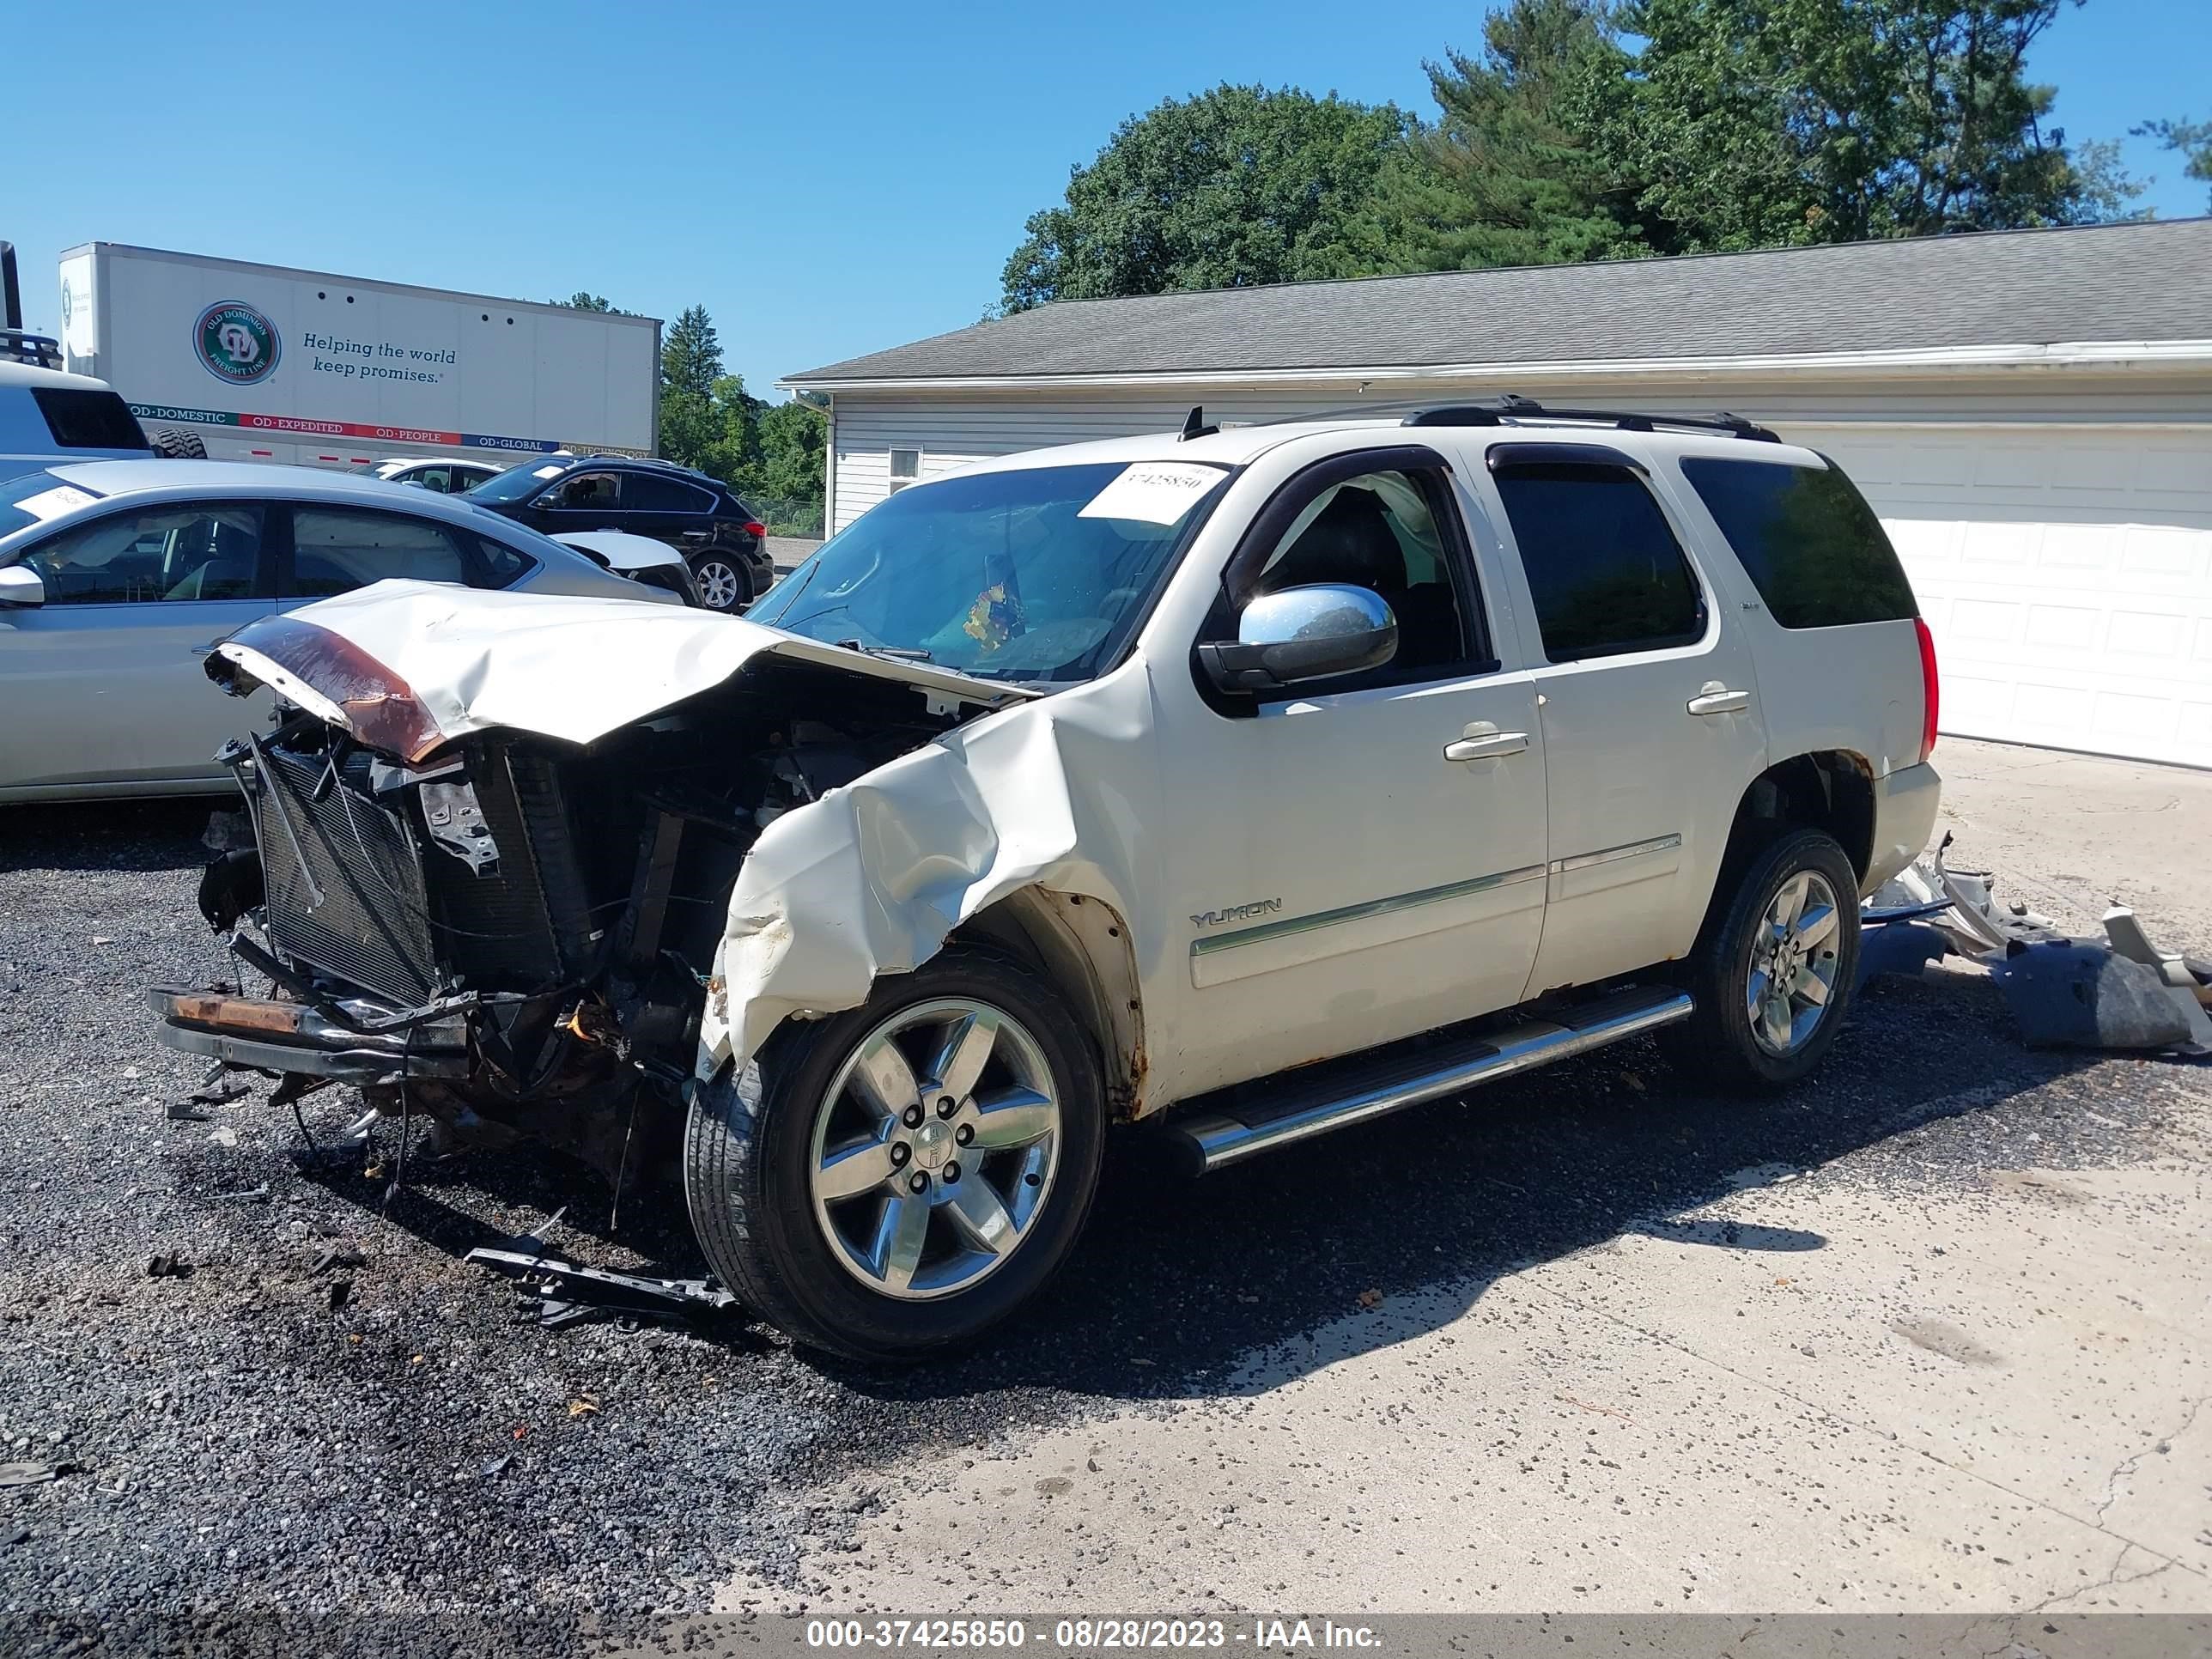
2121, 992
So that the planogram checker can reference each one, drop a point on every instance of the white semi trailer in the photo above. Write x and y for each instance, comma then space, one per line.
264, 362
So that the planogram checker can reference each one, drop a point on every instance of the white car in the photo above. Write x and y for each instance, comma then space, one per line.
640, 558
440, 474
118, 577
1249, 784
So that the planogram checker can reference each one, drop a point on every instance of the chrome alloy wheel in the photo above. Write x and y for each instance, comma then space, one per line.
935, 1148
1793, 964
719, 584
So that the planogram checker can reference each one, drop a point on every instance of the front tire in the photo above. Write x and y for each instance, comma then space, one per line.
1772, 974
895, 1180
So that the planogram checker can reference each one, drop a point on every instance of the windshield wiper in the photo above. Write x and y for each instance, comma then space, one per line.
897, 653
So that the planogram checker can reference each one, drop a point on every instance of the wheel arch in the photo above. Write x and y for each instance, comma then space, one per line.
1831, 790
1081, 945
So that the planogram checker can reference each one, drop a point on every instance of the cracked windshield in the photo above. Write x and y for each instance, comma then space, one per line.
1037, 574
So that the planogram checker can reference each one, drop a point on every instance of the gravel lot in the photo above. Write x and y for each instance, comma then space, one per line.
235, 1440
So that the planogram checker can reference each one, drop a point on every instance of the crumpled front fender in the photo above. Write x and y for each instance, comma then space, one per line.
870, 878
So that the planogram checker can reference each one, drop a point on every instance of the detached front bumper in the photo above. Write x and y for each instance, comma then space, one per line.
290, 1036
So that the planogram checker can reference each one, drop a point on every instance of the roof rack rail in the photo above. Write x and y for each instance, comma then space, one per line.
661, 461
1496, 411
39, 350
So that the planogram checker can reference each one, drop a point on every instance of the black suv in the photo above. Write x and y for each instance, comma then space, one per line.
700, 517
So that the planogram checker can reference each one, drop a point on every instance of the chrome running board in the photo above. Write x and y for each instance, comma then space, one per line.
1235, 1123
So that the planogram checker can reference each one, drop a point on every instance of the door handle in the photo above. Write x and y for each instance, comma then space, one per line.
1483, 741
1714, 698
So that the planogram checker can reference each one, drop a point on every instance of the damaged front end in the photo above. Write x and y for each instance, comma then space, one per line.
514, 920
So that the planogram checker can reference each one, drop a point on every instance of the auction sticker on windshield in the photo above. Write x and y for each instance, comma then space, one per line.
1154, 492
52, 503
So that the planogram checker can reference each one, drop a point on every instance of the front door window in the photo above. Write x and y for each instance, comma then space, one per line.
176, 553
590, 492
1380, 530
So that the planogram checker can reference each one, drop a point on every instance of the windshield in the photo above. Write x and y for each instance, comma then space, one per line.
1036, 574
35, 497
516, 482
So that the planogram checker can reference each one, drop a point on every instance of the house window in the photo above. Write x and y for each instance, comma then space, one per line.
906, 467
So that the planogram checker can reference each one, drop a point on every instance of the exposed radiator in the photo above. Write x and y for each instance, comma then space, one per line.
529, 926
344, 881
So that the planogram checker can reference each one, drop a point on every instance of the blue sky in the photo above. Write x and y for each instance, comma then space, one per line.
827, 181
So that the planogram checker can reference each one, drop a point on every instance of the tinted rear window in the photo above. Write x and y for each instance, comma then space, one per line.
1605, 570
506, 566
644, 493
84, 419
1807, 538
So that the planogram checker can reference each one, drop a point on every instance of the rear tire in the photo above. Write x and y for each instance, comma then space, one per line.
1772, 973
178, 445
725, 583
834, 1195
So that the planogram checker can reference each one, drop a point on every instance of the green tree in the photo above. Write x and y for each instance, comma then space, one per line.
792, 437
1760, 122
691, 429
1512, 171
583, 300
1235, 186
691, 355
2191, 140
772, 452
701, 414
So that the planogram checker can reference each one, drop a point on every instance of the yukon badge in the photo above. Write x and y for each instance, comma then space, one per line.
1236, 913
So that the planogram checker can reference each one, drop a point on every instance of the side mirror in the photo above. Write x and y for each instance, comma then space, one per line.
1303, 634
20, 585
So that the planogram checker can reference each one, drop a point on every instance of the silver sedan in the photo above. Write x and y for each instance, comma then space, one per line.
116, 578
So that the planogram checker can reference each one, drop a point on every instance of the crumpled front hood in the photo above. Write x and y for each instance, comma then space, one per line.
407, 666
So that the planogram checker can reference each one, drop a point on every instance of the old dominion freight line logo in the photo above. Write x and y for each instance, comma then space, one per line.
236, 344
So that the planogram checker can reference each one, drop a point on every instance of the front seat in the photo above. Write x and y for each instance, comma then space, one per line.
227, 574
1351, 541
218, 579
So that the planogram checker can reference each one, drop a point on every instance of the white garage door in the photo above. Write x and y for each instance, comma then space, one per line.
2065, 572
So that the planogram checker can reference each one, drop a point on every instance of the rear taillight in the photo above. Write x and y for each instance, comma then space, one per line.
1930, 687
755, 527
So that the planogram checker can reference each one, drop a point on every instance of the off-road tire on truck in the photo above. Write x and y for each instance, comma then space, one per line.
726, 582
766, 1185
1765, 915
177, 445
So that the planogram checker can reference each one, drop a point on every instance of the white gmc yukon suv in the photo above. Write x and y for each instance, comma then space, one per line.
1245, 783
